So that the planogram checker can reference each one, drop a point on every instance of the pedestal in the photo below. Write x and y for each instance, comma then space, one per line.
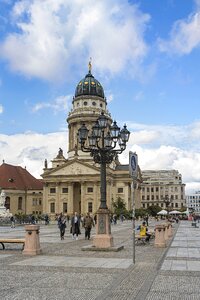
103, 238
32, 242
160, 236
169, 230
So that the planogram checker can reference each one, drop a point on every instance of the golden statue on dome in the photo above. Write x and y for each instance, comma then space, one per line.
90, 65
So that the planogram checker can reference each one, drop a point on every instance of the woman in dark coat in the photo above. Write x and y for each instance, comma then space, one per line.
62, 225
75, 226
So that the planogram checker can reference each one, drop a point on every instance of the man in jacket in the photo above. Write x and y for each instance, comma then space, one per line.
88, 223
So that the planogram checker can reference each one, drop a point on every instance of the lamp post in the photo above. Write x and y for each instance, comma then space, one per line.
104, 143
167, 203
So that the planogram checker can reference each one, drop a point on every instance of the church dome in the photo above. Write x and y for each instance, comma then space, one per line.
89, 86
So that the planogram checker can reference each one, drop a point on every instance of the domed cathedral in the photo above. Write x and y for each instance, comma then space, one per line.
73, 183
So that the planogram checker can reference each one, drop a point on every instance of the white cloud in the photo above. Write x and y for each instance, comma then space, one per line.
184, 36
34, 148
1, 109
59, 104
53, 37
167, 147
139, 96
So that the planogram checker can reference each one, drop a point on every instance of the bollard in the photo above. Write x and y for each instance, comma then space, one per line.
32, 242
160, 236
169, 230
166, 231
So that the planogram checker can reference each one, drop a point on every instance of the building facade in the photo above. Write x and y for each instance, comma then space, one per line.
73, 184
163, 188
193, 202
24, 193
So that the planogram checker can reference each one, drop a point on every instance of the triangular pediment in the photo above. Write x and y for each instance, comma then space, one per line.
74, 167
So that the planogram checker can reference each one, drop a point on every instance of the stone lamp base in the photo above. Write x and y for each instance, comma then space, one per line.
103, 238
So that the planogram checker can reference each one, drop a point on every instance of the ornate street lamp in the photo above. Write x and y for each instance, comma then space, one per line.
104, 143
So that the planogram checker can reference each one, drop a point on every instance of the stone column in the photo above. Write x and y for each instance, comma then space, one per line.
160, 236
71, 198
32, 242
83, 204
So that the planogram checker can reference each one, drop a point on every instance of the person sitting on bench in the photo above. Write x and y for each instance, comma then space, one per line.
144, 231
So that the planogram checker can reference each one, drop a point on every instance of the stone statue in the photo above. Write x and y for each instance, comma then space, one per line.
60, 153
45, 164
2, 198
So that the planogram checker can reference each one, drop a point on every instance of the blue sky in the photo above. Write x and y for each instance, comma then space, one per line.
146, 55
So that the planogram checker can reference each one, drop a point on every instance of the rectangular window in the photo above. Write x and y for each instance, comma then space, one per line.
65, 190
40, 201
152, 197
157, 197
90, 207
120, 190
52, 207
156, 189
20, 203
90, 189
143, 198
152, 189
65, 207
147, 189
52, 190
147, 197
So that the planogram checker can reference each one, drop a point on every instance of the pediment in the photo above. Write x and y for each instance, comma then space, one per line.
75, 168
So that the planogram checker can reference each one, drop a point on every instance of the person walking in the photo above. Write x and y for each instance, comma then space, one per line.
88, 223
62, 225
75, 226
12, 219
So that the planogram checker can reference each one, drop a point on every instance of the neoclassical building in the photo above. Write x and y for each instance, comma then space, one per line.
73, 183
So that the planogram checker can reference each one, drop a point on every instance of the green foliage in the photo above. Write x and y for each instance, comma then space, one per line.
153, 210
119, 207
140, 212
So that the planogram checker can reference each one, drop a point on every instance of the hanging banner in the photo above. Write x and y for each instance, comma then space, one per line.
133, 164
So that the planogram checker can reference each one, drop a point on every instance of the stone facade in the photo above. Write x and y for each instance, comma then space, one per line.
163, 188
193, 202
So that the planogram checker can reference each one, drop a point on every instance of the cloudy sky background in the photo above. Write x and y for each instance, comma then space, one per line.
146, 55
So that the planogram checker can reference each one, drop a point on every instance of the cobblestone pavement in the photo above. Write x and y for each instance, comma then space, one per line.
64, 271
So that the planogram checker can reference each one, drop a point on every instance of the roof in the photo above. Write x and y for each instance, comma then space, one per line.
89, 86
122, 167
18, 178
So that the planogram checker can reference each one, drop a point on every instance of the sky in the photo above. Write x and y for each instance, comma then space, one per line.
145, 53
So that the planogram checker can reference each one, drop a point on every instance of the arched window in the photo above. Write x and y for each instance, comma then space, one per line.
19, 203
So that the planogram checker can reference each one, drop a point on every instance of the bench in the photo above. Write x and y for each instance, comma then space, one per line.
139, 238
15, 241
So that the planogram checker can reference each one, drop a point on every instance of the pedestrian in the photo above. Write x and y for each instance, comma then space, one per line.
62, 225
75, 226
144, 231
33, 219
46, 219
12, 219
88, 223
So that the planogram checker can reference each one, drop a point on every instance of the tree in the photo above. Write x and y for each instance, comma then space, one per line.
119, 207
153, 210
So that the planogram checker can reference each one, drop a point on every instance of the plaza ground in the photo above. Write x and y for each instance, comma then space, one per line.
64, 271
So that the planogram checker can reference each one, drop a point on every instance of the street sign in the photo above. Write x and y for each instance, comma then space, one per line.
133, 164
